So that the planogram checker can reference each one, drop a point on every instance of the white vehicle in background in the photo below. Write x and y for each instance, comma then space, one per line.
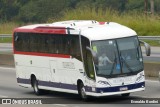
84, 57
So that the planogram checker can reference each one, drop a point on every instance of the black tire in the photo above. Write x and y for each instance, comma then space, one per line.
82, 92
125, 95
37, 91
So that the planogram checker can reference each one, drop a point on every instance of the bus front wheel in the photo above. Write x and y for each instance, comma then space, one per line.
82, 92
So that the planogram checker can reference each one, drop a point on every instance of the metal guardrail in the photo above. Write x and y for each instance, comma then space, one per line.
149, 37
5, 35
2, 36
140, 37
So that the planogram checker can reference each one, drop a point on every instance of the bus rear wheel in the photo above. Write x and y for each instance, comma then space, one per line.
82, 92
37, 91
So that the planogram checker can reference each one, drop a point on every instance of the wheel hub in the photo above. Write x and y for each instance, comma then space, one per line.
83, 93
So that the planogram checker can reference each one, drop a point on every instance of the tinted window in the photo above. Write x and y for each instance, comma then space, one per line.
48, 43
75, 47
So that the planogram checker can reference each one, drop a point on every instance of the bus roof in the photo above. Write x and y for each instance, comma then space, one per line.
89, 28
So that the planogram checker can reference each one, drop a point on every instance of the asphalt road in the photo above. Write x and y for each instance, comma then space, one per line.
6, 48
10, 89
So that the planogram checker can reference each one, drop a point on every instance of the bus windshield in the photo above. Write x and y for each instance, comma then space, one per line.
118, 57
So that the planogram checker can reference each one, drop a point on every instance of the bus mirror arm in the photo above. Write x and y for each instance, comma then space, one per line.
94, 54
147, 48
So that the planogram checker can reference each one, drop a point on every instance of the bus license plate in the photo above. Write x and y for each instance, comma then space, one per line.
123, 88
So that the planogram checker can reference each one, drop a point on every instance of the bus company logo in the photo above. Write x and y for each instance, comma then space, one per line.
21, 101
68, 65
6, 101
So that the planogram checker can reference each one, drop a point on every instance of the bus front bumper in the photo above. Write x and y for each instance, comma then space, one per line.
114, 93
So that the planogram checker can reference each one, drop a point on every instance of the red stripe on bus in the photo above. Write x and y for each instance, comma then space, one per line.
42, 30
42, 54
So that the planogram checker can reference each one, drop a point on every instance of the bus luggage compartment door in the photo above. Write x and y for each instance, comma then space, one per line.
53, 70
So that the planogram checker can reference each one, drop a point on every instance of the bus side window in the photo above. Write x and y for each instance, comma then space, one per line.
75, 47
18, 41
65, 44
43, 44
33, 43
25, 43
56, 44
59, 47
52, 44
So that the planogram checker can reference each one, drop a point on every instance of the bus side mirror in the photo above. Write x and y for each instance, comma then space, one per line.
147, 48
94, 54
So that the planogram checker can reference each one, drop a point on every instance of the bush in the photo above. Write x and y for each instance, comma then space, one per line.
7, 28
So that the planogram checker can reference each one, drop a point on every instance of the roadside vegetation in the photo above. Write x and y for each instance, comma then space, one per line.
126, 12
8, 27
142, 24
5, 40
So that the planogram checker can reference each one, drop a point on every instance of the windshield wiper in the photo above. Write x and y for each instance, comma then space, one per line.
114, 63
129, 68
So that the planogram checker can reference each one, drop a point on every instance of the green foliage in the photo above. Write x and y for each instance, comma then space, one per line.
126, 12
41, 10
135, 5
7, 28
113, 4
10, 8
142, 24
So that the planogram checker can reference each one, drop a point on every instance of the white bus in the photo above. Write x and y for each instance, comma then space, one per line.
84, 57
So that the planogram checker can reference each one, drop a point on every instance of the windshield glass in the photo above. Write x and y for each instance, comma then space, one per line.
130, 56
118, 56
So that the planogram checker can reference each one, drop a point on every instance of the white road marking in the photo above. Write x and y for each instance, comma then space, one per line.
2, 96
62, 105
7, 68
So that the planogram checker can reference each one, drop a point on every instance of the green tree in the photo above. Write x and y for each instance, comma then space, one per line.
157, 7
10, 9
112, 4
41, 10
135, 5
